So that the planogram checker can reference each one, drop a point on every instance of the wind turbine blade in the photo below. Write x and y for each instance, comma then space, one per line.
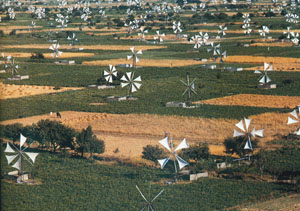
141, 194
124, 84
259, 133
247, 123
158, 195
138, 79
291, 121
10, 158
165, 143
262, 80
133, 88
182, 145
129, 75
268, 79
137, 85
124, 78
8, 148
240, 125
266, 65
22, 140
294, 113
237, 133
17, 164
139, 52
182, 163
298, 133
132, 49
248, 144
129, 57
137, 59
163, 162
32, 155
257, 72
105, 73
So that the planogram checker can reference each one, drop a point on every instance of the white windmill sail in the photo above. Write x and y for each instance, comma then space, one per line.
8, 148
237, 133
182, 163
163, 162
182, 145
241, 126
10, 158
292, 121
255, 133
247, 123
17, 165
22, 140
248, 144
32, 155
165, 143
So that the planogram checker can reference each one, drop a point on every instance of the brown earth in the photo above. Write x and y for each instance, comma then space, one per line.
270, 101
48, 55
147, 62
15, 91
131, 132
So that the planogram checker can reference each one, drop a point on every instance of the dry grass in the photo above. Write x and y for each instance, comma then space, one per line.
85, 29
8, 28
87, 47
48, 55
15, 91
131, 132
277, 44
147, 62
151, 37
270, 101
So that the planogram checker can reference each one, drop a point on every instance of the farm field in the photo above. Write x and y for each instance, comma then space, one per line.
95, 85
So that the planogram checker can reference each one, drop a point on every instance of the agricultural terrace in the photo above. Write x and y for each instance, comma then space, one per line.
226, 60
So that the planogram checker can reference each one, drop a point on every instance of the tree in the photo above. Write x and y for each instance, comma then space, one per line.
236, 145
55, 134
152, 153
87, 142
13, 131
197, 152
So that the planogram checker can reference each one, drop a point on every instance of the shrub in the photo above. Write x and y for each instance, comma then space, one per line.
152, 153
236, 145
37, 55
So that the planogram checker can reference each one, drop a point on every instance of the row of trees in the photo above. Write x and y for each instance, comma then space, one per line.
53, 135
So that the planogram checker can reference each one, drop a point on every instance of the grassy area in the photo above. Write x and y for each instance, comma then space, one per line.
78, 184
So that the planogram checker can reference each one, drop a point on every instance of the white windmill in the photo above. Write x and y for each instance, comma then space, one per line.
244, 127
72, 39
19, 154
134, 57
11, 66
177, 27
295, 119
190, 89
134, 83
173, 153
143, 33
149, 204
112, 72
56, 53
264, 31
264, 79
196, 40
222, 30
159, 36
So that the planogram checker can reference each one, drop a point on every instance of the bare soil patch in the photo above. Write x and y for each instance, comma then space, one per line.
48, 55
270, 101
147, 62
15, 91
126, 135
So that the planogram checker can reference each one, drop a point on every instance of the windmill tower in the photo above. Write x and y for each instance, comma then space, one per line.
173, 154
190, 89
149, 204
20, 155
244, 127
134, 57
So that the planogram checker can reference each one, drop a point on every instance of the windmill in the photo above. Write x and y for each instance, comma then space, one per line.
190, 89
244, 127
264, 31
134, 83
222, 30
264, 79
11, 66
143, 32
134, 57
295, 119
159, 36
149, 204
108, 75
72, 39
197, 41
177, 27
20, 155
246, 26
56, 53
173, 154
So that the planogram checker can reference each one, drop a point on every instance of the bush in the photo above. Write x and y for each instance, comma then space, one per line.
37, 55
13, 131
152, 153
197, 152
236, 145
